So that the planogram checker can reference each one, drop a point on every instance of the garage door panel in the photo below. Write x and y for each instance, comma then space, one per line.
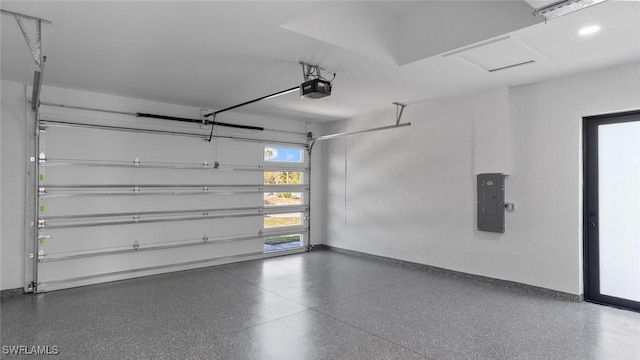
92, 266
82, 205
95, 239
100, 145
239, 153
87, 175
117, 204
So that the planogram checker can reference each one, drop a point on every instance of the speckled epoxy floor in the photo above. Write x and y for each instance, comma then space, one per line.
320, 305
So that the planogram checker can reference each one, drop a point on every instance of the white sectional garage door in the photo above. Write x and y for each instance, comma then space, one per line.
121, 197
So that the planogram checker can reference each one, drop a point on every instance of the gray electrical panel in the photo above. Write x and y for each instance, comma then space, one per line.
491, 202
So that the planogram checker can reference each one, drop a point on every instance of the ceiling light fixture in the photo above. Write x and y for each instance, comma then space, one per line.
588, 30
564, 7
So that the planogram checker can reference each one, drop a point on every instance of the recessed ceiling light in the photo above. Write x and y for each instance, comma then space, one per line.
588, 30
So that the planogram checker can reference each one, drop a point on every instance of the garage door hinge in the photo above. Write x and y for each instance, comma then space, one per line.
42, 158
33, 287
42, 190
136, 246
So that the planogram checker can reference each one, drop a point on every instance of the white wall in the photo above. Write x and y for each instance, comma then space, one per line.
14, 157
410, 192
12, 185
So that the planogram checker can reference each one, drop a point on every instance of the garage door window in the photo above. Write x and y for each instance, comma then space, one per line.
285, 197
282, 154
283, 242
282, 178
282, 198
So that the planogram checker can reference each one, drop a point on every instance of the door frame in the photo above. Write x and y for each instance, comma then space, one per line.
591, 253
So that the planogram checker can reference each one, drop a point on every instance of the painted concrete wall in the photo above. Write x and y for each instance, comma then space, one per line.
409, 193
14, 157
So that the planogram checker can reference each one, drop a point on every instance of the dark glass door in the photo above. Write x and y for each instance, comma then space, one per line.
612, 209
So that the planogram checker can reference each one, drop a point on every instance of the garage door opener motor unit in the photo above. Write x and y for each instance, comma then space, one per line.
314, 85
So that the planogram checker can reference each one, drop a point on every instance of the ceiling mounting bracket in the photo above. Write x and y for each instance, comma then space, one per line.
310, 71
36, 51
399, 110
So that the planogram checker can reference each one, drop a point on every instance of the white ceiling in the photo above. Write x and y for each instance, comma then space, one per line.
215, 54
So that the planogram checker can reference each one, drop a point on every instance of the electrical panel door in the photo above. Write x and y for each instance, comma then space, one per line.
491, 202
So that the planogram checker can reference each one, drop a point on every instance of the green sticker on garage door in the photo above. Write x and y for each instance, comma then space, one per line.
41, 241
41, 177
41, 208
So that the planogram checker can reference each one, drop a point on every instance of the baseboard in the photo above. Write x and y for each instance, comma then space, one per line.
483, 279
9, 293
